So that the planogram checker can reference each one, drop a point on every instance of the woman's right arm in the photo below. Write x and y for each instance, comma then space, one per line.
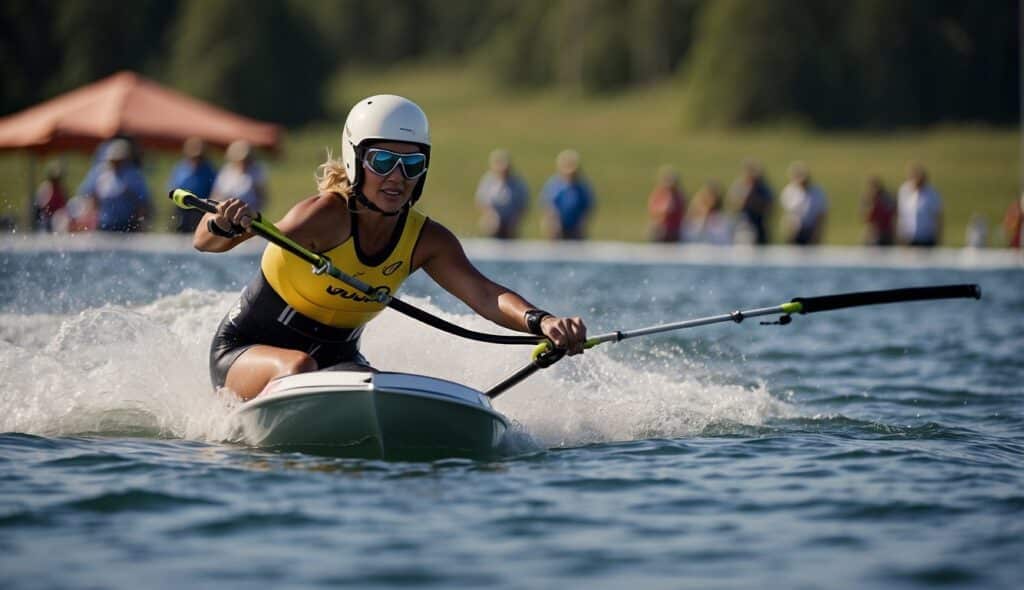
316, 223
225, 229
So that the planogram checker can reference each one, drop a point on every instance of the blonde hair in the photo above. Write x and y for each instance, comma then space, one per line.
707, 200
332, 178
567, 161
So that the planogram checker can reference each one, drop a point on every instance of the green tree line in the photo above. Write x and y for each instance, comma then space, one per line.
829, 63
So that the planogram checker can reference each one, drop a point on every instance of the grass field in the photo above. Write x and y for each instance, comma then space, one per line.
623, 140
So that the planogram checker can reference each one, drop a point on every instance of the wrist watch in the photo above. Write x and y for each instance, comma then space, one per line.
533, 319
213, 228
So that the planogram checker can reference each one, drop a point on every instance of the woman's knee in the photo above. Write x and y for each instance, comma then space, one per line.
298, 362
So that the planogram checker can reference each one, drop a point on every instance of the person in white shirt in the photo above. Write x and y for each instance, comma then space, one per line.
241, 178
919, 210
805, 207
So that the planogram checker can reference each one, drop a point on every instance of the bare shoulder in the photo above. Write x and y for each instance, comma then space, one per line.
323, 203
436, 241
318, 221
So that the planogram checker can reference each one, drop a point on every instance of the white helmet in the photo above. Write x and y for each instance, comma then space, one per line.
384, 117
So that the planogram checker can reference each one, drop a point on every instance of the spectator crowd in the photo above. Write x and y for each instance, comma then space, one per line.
115, 196
743, 214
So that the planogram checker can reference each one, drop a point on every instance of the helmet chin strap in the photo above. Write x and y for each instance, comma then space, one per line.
369, 205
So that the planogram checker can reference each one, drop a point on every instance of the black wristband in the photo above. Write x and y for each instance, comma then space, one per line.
236, 230
533, 319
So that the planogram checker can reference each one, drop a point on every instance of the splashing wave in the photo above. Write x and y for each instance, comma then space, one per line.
143, 371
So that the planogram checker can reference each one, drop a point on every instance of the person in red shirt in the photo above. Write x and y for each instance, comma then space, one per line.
666, 206
51, 197
1012, 223
879, 210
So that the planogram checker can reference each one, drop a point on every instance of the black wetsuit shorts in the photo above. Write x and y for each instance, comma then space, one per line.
261, 316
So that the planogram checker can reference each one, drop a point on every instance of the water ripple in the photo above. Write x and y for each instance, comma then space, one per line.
136, 501
892, 511
611, 484
939, 575
240, 523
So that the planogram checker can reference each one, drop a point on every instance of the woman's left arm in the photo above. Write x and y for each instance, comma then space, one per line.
442, 256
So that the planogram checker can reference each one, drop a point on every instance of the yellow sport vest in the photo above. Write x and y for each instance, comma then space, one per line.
330, 301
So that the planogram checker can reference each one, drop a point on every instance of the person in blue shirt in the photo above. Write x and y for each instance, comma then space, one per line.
195, 174
568, 198
119, 190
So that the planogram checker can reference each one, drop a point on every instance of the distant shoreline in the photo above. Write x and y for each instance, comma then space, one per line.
587, 251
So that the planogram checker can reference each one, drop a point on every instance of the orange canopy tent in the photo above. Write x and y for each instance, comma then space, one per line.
128, 104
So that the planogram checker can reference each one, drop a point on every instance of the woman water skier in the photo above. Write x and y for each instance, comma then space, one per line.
289, 320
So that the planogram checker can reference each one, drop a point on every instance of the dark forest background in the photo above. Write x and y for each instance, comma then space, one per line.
828, 63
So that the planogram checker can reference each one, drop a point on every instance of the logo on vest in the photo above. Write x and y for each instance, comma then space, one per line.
391, 268
353, 295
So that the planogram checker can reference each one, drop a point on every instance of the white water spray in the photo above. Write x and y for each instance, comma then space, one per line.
143, 370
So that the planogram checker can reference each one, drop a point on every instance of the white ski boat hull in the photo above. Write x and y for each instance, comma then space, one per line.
372, 415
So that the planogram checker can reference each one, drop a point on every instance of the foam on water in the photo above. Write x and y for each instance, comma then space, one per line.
580, 400
114, 370
143, 370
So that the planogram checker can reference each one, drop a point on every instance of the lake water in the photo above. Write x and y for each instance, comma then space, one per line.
874, 447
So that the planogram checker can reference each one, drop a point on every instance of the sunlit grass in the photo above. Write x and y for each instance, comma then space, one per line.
623, 140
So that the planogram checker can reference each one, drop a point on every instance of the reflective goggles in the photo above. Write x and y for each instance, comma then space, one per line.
382, 162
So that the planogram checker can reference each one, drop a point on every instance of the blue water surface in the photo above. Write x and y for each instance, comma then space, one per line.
866, 448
